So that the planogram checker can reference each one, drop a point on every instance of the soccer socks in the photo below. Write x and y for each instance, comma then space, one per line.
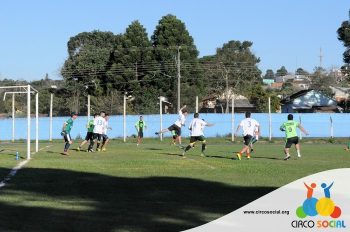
188, 148
66, 147
91, 145
299, 155
203, 147
248, 155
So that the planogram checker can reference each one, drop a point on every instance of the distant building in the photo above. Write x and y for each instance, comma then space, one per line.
340, 93
217, 104
276, 85
268, 81
309, 101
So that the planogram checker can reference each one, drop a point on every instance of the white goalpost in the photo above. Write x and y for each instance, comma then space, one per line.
25, 89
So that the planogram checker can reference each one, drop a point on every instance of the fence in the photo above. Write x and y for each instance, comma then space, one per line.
318, 125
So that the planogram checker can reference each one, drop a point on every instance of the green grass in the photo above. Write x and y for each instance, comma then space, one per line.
147, 188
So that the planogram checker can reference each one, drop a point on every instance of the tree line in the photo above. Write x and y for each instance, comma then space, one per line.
108, 66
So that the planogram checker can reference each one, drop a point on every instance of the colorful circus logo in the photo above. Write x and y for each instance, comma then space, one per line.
323, 206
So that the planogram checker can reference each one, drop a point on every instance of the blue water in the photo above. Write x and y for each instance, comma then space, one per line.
318, 125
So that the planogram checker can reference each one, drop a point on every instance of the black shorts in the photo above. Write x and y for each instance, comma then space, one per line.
291, 141
67, 138
194, 139
89, 136
247, 139
140, 134
104, 137
97, 137
175, 128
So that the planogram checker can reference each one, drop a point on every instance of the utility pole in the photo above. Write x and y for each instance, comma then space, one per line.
178, 78
321, 57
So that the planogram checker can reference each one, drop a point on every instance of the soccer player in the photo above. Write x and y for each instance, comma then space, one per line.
197, 127
347, 147
105, 138
176, 127
90, 133
254, 140
140, 126
290, 128
99, 125
251, 128
67, 127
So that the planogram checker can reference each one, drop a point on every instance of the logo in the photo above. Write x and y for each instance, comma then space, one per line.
324, 206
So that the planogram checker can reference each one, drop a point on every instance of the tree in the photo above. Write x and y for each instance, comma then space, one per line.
132, 67
233, 67
269, 74
173, 43
321, 81
84, 71
301, 71
281, 72
259, 97
344, 36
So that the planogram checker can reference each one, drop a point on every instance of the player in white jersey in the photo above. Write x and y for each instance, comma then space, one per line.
99, 126
251, 129
176, 127
104, 133
197, 133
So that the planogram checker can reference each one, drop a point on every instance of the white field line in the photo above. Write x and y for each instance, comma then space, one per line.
14, 170
202, 163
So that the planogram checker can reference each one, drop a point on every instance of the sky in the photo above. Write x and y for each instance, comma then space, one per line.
34, 33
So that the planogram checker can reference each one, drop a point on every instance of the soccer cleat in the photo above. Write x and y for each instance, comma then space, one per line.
90, 150
248, 156
78, 148
287, 157
65, 153
104, 149
202, 155
239, 156
299, 156
98, 149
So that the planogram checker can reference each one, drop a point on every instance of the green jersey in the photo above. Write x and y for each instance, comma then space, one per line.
140, 125
290, 127
90, 126
69, 125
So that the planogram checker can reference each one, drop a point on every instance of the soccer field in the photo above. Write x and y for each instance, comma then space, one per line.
146, 188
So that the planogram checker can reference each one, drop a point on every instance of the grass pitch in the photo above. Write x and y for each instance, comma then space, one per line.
146, 188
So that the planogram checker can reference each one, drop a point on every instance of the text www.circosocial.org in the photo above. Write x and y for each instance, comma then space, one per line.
256, 212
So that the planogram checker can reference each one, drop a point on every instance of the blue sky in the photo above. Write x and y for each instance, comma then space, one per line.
34, 33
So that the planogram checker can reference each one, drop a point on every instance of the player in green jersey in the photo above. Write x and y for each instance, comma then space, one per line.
67, 127
290, 128
89, 135
140, 126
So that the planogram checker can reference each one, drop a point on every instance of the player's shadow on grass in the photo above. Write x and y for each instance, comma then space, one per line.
64, 200
271, 158
154, 149
220, 157
171, 154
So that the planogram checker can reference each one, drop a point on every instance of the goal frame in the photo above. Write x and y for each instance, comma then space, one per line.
27, 89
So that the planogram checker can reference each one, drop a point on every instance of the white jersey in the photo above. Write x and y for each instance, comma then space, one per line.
105, 128
99, 125
249, 126
197, 126
181, 120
